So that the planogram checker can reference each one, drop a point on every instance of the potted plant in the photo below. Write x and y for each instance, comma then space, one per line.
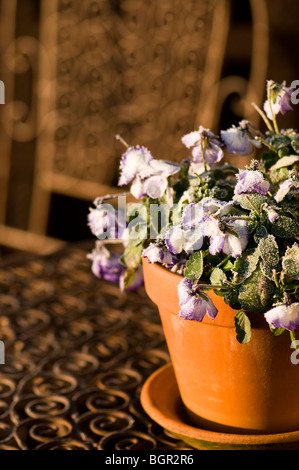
220, 253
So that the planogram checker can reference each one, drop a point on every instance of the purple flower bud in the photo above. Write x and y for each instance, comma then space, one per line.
194, 302
251, 181
284, 316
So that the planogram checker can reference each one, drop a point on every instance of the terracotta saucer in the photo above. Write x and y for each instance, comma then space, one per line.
161, 400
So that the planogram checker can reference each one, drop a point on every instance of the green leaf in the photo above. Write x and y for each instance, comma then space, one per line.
228, 265
129, 277
290, 262
249, 201
269, 251
295, 145
132, 255
255, 292
277, 331
261, 232
245, 265
217, 277
242, 327
194, 268
267, 271
285, 227
284, 162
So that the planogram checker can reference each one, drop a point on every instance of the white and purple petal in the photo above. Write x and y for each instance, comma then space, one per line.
284, 316
175, 239
285, 187
193, 240
237, 141
137, 188
194, 303
234, 245
106, 265
251, 181
134, 161
102, 221
164, 168
192, 215
155, 186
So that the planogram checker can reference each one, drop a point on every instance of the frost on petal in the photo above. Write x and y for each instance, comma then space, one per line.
236, 239
213, 154
194, 304
251, 181
193, 240
174, 239
106, 265
184, 289
211, 229
285, 187
192, 215
153, 253
194, 309
137, 188
134, 161
155, 186
284, 316
191, 139
237, 141
163, 167
102, 221
159, 254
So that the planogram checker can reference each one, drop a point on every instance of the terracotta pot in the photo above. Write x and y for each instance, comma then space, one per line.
224, 385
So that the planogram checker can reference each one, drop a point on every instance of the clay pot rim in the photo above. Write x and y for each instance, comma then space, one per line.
257, 319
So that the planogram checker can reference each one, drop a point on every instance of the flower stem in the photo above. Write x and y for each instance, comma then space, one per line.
236, 217
293, 340
252, 205
270, 96
119, 137
264, 117
203, 154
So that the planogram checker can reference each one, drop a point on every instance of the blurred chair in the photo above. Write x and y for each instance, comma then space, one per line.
149, 71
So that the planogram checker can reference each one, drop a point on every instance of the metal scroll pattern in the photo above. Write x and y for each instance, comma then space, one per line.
77, 352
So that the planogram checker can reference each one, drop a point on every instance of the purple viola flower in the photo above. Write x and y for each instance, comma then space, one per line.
106, 265
135, 161
289, 185
150, 179
238, 140
230, 238
251, 181
194, 303
279, 97
206, 146
102, 221
155, 253
284, 316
